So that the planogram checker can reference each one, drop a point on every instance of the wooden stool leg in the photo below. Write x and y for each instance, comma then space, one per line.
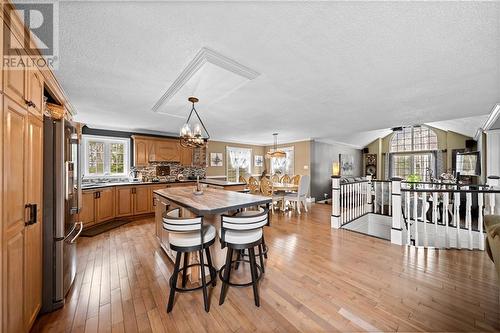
209, 260
227, 270
184, 270
261, 258
204, 282
174, 282
253, 270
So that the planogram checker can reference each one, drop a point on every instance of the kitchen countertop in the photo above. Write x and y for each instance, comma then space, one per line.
212, 201
218, 182
91, 186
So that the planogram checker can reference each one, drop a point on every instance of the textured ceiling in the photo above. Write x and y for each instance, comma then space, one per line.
328, 70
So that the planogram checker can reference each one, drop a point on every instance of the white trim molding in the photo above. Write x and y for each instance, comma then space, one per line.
205, 55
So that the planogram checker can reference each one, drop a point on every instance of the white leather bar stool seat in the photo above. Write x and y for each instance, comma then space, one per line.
192, 238
242, 236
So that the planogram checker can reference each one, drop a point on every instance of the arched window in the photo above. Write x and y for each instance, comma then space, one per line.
414, 138
413, 152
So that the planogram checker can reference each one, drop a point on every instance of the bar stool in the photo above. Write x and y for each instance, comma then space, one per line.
261, 247
189, 235
241, 233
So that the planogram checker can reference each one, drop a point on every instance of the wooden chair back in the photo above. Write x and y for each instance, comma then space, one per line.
295, 180
285, 179
253, 185
275, 178
266, 187
243, 180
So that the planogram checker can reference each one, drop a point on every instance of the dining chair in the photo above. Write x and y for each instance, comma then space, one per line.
266, 187
301, 195
253, 185
295, 179
285, 179
243, 180
275, 178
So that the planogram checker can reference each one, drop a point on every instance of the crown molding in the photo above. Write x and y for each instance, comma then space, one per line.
202, 57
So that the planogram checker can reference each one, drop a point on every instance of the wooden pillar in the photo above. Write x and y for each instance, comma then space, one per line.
335, 220
397, 216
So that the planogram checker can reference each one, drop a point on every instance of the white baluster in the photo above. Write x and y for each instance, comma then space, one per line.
446, 200
480, 203
435, 217
456, 217
389, 185
415, 216
382, 198
468, 216
424, 218
396, 230
408, 236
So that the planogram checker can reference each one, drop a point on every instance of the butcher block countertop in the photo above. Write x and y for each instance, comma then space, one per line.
212, 201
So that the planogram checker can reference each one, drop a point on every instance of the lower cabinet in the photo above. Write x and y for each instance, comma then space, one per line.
87, 212
124, 201
142, 199
105, 205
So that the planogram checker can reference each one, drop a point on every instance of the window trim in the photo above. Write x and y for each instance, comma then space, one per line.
250, 162
413, 144
107, 140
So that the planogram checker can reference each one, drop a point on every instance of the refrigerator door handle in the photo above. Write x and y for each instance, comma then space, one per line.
79, 232
69, 233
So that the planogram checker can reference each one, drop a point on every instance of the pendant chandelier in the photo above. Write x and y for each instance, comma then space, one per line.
275, 153
192, 136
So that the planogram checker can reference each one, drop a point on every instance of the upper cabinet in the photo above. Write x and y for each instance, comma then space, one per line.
15, 78
152, 149
35, 92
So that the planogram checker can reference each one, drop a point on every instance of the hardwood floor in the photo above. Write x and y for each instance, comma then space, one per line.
317, 279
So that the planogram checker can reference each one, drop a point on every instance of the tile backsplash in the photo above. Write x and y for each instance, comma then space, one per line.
149, 172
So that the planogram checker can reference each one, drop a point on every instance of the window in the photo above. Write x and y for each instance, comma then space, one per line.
239, 162
413, 152
414, 138
467, 164
283, 166
105, 156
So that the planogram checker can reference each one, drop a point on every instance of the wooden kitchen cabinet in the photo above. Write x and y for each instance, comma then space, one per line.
186, 156
124, 201
105, 204
167, 150
142, 200
87, 212
151, 149
15, 80
35, 92
33, 232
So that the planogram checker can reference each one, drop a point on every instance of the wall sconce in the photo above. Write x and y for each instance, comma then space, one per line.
336, 169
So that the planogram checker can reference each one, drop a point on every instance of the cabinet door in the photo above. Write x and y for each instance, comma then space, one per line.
141, 152
167, 150
105, 206
87, 212
15, 78
33, 232
35, 91
186, 156
124, 201
141, 200
13, 218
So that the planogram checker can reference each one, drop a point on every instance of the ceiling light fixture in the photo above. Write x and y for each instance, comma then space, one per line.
275, 153
192, 137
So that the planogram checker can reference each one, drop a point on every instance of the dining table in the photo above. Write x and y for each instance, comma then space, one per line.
287, 187
210, 205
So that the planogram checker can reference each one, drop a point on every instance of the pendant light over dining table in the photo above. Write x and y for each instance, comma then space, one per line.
275, 153
191, 136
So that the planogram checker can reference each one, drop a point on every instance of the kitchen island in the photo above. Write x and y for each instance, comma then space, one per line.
211, 204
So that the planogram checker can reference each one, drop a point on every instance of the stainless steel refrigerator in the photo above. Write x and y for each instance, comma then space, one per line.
62, 198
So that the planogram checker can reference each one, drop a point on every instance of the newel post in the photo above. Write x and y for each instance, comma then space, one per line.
493, 182
397, 214
369, 194
335, 221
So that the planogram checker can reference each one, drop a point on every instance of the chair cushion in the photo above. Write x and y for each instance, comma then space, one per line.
242, 236
191, 238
